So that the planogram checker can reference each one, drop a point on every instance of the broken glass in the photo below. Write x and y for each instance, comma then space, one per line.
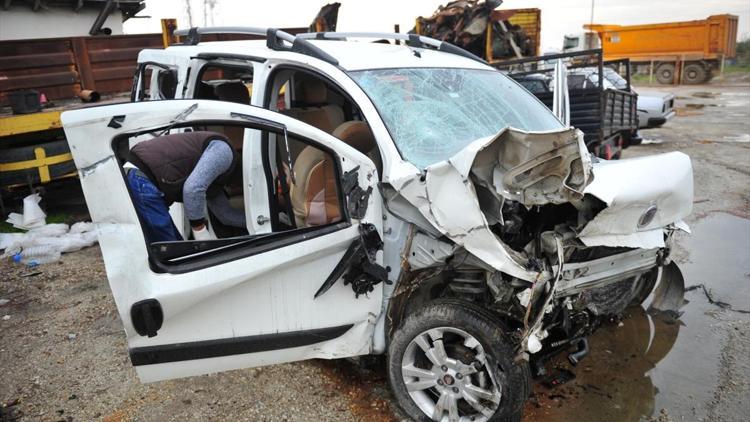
432, 113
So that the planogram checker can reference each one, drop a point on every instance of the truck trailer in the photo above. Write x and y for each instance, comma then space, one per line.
688, 52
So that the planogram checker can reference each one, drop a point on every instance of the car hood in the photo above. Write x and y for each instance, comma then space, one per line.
462, 197
653, 99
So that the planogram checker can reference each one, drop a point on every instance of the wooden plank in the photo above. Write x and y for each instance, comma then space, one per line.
110, 55
124, 72
35, 60
39, 81
81, 53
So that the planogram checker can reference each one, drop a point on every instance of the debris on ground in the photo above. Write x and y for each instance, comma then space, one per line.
558, 378
44, 244
711, 300
32, 217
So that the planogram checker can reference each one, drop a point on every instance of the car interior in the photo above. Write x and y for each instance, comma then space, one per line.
303, 178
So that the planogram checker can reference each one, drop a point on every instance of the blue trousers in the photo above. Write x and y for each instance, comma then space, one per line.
152, 208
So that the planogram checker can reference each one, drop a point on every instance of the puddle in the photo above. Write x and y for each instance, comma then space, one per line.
649, 367
744, 138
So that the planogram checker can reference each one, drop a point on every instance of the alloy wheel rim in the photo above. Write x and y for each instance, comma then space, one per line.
446, 374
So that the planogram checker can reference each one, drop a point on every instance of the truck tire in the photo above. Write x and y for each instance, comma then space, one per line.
665, 73
31, 175
452, 358
695, 73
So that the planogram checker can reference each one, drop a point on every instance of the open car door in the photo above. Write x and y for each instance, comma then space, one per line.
194, 307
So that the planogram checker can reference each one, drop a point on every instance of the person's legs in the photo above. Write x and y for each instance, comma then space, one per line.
150, 205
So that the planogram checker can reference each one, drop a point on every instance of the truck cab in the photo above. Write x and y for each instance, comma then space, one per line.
580, 41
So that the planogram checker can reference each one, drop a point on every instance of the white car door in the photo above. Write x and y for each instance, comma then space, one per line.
194, 307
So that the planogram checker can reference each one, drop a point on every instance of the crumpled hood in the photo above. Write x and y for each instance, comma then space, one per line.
462, 196
658, 185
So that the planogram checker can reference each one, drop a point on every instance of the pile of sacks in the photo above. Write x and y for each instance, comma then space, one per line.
43, 243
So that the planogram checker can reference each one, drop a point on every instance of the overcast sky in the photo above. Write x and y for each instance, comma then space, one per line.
559, 17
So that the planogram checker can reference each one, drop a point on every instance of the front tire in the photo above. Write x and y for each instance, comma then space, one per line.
452, 359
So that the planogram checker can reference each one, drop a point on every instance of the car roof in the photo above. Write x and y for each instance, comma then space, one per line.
351, 55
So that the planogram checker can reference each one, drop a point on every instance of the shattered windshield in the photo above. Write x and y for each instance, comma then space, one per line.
432, 113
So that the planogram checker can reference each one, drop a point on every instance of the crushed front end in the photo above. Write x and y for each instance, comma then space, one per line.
551, 243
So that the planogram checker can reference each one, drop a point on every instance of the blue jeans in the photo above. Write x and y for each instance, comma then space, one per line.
152, 208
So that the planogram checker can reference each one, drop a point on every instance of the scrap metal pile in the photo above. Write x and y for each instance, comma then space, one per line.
464, 23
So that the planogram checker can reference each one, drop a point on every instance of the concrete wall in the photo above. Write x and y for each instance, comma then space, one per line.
20, 22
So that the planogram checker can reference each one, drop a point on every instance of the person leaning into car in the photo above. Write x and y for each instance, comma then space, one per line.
187, 167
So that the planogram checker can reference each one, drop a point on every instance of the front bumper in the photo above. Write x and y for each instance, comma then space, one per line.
579, 276
658, 121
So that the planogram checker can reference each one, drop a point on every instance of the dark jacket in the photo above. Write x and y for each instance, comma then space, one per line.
168, 161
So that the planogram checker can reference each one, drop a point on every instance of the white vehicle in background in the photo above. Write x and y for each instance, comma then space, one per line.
654, 108
405, 200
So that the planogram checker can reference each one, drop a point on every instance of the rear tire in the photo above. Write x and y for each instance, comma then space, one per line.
456, 359
665, 73
694, 74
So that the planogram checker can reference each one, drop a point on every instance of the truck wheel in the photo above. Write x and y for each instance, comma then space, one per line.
665, 73
695, 73
452, 360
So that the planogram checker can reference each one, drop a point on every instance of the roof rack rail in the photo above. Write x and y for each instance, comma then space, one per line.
276, 39
412, 40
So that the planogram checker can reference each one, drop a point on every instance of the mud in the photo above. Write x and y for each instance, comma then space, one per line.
63, 352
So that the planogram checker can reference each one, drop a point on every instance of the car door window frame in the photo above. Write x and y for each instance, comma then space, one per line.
137, 92
229, 249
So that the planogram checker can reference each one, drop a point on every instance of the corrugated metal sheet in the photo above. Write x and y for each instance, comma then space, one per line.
62, 67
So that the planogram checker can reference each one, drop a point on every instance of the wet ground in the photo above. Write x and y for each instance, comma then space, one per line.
695, 368
63, 353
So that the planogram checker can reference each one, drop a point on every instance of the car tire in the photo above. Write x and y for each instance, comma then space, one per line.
467, 334
665, 73
694, 74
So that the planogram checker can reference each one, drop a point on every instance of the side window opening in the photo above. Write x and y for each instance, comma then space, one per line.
217, 81
231, 83
320, 103
154, 82
308, 203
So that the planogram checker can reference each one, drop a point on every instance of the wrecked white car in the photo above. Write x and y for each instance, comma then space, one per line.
405, 200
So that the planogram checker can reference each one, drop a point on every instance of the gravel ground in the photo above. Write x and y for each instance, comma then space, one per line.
63, 351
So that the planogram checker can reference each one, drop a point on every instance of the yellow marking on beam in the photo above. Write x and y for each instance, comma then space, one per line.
42, 162
26, 123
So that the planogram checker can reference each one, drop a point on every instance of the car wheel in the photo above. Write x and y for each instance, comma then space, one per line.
665, 73
451, 360
694, 73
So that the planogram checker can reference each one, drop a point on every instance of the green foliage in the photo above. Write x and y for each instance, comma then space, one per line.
743, 53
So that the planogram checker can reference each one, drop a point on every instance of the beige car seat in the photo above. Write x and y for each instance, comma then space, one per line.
358, 135
314, 196
324, 117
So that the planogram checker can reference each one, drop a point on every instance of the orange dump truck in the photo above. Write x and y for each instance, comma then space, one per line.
688, 52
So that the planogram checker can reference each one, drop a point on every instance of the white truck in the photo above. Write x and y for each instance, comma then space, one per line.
405, 200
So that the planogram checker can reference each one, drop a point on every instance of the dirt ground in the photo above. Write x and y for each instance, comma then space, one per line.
63, 351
